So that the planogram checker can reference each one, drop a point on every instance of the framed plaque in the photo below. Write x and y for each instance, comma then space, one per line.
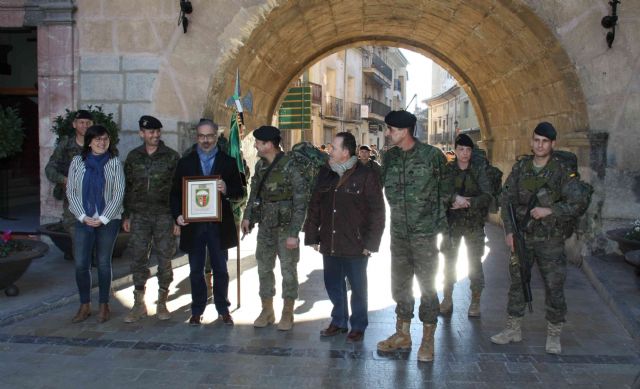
201, 201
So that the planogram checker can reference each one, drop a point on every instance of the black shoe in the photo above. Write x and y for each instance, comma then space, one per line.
226, 319
355, 336
332, 330
195, 320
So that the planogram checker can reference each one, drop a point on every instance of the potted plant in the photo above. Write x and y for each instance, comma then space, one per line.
628, 239
15, 257
60, 237
11, 132
63, 124
11, 137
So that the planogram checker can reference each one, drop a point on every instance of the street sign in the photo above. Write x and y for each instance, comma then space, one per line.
295, 110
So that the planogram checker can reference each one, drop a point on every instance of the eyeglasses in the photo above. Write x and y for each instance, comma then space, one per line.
207, 136
103, 139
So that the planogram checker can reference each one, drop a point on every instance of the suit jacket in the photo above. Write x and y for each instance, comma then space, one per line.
226, 168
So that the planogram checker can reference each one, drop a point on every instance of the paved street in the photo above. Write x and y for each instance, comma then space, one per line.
47, 351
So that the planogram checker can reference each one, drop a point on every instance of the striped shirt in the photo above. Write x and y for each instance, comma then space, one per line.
113, 189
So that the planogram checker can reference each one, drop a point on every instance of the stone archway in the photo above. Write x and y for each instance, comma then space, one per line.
505, 56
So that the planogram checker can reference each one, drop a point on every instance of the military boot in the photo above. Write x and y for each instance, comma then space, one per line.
474, 307
139, 309
161, 309
286, 320
512, 333
425, 352
446, 306
401, 340
553, 338
267, 316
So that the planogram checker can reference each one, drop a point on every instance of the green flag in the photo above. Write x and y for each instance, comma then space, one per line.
234, 144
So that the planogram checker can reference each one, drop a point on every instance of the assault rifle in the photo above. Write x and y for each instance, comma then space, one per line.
520, 252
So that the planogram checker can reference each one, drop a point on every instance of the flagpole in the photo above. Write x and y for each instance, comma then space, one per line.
238, 268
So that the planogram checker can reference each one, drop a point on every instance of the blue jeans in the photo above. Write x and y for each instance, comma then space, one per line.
355, 270
210, 239
103, 238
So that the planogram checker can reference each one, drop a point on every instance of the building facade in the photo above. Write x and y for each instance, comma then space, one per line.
450, 111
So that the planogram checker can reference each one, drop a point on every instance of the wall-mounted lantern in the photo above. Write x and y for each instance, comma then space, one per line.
610, 22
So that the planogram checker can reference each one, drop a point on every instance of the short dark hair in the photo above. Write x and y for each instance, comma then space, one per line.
93, 132
348, 142
275, 142
207, 122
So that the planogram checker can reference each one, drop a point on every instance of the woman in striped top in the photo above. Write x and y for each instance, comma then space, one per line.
95, 189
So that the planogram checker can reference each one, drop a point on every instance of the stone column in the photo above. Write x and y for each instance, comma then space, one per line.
54, 21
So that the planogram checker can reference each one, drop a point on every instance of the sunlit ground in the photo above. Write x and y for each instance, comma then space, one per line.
313, 303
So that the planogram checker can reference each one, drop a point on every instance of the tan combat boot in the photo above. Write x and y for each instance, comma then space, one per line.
139, 309
425, 352
286, 320
161, 309
267, 316
401, 340
474, 307
553, 338
446, 306
512, 333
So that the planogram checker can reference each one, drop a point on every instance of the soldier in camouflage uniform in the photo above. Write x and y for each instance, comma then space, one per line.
57, 168
279, 209
547, 198
418, 193
470, 201
149, 171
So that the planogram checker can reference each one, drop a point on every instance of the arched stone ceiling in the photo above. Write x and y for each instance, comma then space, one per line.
506, 58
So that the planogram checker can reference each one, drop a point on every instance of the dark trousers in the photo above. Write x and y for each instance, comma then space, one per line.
208, 239
102, 239
355, 270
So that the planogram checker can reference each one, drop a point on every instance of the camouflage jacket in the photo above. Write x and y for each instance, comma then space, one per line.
555, 186
417, 189
57, 168
474, 183
148, 180
283, 196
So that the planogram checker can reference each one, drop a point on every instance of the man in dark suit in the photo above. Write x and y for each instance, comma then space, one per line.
206, 159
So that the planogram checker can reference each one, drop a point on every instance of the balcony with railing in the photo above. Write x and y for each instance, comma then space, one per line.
316, 93
377, 69
377, 109
352, 112
333, 107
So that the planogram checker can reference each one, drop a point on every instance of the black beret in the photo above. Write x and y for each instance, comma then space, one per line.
545, 129
265, 133
147, 122
464, 140
400, 119
365, 147
83, 114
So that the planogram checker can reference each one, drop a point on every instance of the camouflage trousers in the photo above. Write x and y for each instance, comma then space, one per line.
474, 241
552, 263
151, 234
69, 224
415, 255
272, 243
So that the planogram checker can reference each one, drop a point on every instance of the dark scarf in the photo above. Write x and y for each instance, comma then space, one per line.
206, 159
93, 183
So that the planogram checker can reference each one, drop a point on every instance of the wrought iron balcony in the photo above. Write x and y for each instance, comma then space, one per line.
333, 107
352, 111
375, 66
377, 107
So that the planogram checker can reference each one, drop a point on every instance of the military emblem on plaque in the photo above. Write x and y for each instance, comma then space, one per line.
201, 201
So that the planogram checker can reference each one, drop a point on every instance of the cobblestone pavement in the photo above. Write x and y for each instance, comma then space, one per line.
48, 351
